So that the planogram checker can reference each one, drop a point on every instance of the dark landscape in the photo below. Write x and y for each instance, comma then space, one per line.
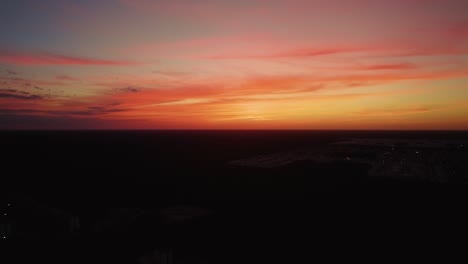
193, 196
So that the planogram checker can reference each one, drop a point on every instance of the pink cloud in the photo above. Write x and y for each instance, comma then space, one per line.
44, 58
288, 54
398, 49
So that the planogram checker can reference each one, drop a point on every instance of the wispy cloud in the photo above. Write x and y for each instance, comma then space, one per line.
396, 50
44, 58
400, 111
271, 88
11, 72
66, 78
187, 101
294, 53
398, 66
15, 81
89, 111
20, 97
129, 89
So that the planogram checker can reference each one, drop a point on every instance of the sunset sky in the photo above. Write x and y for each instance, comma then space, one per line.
256, 64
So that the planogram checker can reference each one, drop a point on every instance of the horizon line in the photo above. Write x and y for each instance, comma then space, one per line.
304, 130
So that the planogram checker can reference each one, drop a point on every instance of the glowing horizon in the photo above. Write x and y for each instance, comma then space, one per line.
150, 64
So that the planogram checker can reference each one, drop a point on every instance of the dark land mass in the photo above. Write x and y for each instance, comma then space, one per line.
226, 196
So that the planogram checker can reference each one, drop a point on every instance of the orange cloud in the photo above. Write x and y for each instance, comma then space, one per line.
399, 66
399, 111
254, 88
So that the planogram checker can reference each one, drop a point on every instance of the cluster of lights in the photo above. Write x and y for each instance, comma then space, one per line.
5, 214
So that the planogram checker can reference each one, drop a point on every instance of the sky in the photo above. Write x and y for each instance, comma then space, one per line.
257, 64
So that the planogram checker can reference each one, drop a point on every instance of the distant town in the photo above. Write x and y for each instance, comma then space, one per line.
405, 159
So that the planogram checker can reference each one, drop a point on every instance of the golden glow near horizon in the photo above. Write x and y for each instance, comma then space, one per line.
148, 64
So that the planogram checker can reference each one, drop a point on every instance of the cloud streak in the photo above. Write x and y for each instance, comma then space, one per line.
66, 78
44, 58
10, 72
294, 53
20, 97
399, 111
90, 111
399, 66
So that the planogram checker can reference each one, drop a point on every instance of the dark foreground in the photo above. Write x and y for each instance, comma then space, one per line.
227, 196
